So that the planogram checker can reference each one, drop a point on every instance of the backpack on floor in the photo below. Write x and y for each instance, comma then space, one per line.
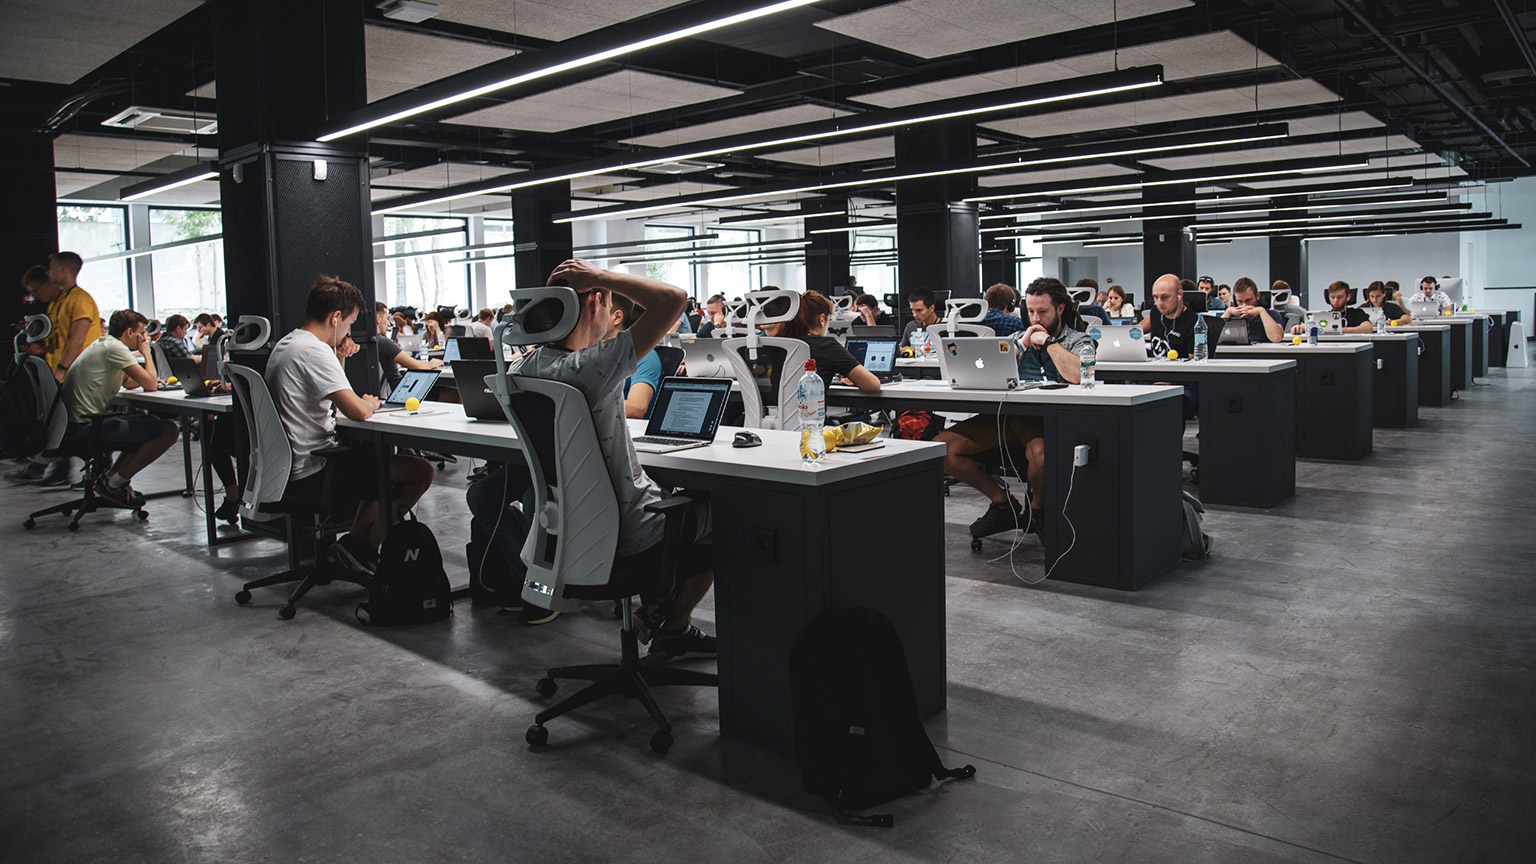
917, 425
857, 731
409, 585
1197, 543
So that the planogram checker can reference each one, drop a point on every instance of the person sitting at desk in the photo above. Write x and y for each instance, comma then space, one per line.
1001, 301
403, 327
714, 316
1213, 301
1264, 325
1052, 347
208, 332
1352, 320
1376, 298
597, 366
307, 381
173, 340
1170, 323
1089, 307
925, 314
481, 326
869, 311
833, 362
1429, 291
432, 331
104, 367
1115, 303
391, 358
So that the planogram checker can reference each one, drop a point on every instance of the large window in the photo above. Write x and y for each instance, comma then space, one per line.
679, 273
500, 274
876, 279
425, 281
735, 278
91, 232
189, 280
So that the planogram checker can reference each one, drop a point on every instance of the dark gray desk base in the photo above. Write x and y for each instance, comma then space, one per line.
1461, 353
1396, 404
1480, 347
1498, 339
1435, 367
1241, 414
1333, 401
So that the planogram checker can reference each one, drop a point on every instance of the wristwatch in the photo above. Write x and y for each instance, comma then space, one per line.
1051, 340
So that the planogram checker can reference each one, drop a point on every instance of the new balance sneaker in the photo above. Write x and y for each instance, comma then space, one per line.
675, 643
28, 473
354, 553
1001, 516
118, 496
60, 475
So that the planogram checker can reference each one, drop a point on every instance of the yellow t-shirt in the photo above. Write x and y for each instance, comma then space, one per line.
67, 308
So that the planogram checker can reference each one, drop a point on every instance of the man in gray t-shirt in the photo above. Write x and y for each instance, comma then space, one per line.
597, 365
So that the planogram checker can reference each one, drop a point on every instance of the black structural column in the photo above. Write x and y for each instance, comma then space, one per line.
293, 209
541, 244
936, 230
29, 227
1288, 262
827, 265
998, 261
1165, 247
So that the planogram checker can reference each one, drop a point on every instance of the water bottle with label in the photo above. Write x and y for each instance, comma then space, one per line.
1202, 334
811, 406
1312, 330
1086, 363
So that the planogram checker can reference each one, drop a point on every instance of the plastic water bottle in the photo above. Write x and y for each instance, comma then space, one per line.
1086, 364
1380, 322
811, 401
1312, 329
1202, 333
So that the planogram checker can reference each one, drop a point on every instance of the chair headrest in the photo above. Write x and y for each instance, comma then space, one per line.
539, 316
37, 328
250, 333
843, 303
771, 307
964, 310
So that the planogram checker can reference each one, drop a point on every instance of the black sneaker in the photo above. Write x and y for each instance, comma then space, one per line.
229, 511
689, 640
1001, 516
354, 553
648, 620
1036, 520
121, 496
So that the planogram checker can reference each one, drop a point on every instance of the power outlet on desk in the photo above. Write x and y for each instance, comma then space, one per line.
1234, 404
763, 546
1082, 454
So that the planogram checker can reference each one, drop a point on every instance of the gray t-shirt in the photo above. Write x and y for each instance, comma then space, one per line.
301, 373
599, 372
1036, 363
389, 370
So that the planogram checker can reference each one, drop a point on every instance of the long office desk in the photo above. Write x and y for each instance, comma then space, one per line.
786, 547
1480, 326
1434, 362
1247, 406
175, 403
1462, 338
1395, 393
1131, 486
1334, 386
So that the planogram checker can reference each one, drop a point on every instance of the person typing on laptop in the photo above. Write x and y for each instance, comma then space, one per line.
1264, 325
391, 357
833, 362
592, 362
308, 385
1376, 298
1352, 320
1430, 293
1052, 348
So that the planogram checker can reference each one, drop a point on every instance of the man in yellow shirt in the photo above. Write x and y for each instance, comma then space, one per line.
76, 320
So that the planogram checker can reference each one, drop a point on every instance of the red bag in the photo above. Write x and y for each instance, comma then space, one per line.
918, 425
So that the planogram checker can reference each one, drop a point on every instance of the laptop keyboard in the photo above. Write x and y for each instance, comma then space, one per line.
663, 441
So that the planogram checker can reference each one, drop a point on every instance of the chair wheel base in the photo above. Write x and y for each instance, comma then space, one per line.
537, 736
546, 687
74, 526
242, 597
30, 523
975, 544
661, 742
286, 613
141, 515
186, 493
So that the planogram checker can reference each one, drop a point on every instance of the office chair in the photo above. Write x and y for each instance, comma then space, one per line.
571, 550
670, 359
262, 508
783, 358
1080, 295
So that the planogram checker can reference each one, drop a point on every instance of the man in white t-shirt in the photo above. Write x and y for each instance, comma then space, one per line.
1429, 292
481, 326
597, 365
308, 383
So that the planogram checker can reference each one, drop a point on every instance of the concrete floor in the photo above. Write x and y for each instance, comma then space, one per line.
1336, 684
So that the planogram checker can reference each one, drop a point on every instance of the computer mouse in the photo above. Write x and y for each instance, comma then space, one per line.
746, 439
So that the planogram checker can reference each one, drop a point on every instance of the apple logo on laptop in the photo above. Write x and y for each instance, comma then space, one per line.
980, 363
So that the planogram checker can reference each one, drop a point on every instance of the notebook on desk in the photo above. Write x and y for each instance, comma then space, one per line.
876, 355
686, 414
416, 382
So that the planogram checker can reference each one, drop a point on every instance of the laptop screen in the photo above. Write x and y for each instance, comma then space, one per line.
467, 348
416, 382
689, 407
876, 355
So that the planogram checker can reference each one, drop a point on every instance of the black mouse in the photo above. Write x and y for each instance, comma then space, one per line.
746, 439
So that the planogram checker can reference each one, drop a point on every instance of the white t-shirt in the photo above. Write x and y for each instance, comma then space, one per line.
478, 328
301, 372
599, 372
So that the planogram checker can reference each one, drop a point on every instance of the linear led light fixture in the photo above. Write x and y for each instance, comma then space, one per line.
568, 65
737, 221
738, 259
1104, 244
1383, 184
869, 121
161, 247
690, 238
1302, 166
1315, 220
1364, 220
1405, 228
1507, 227
166, 182
767, 247
880, 223
1364, 225
1056, 238
1424, 200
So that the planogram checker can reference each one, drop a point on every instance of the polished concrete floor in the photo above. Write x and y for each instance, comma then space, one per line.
1350, 678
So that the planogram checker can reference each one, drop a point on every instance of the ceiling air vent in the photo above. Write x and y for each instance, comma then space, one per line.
163, 120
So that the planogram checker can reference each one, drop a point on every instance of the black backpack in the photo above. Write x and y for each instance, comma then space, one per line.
409, 585
857, 730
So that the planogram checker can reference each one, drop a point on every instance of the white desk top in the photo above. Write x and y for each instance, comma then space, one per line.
1225, 366
777, 460
917, 362
176, 400
1369, 337
1071, 396
1421, 327
1351, 346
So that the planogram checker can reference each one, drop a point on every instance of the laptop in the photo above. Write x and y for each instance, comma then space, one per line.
873, 331
876, 355
686, 414
410, 342
1418, 307
1327, 320
1234, 331
1119, 344
707, 358
467, 348
479, 402
190, 377
981, 363
415, 382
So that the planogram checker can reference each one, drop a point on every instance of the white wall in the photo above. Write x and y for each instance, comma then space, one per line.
1225, 262
1502, 259
1363, 260
1118, 265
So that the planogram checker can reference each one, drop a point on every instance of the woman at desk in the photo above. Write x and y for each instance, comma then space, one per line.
402, 326
832, 359
1115, 303
432, 331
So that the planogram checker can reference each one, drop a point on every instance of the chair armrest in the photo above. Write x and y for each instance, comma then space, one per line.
675, 504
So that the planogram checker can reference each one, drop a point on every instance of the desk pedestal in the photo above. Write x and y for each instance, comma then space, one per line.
1435, 368
1461, 352
1396, 404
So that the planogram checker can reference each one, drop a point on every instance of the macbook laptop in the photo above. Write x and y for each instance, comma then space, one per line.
410, 342
1234, 331
706, 358
467, 348
479, 402
190, 377
876, 355
415, 382
686, 414
1420, 308
981, 363
1327, 320
1119, 344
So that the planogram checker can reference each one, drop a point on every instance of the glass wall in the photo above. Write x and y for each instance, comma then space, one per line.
876, 279
679, 273
189, 280
736, 278
425, 281
91, 232
500, 274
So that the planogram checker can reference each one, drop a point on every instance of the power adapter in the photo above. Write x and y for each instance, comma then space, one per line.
1080, 455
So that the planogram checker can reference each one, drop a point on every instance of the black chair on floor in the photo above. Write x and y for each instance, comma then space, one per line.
571, 549
82, 441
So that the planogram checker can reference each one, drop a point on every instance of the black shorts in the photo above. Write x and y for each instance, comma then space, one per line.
641, 572
354, 479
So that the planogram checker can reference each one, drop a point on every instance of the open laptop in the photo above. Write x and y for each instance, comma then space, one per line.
1419, 308
686, 414
706, 358
981, 363
1234, 331
876, 355
415, 382
410, 342
479, 402
1327, 320
190, 377
467, 348
1119, 343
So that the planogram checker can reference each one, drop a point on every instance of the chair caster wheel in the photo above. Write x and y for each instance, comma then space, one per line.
946, 491
30, 523
661, 742
286, 613
66, 513
537, 736
74, 526
546, 687
975, 544
242, 597
186, 494
142, 515
442, 466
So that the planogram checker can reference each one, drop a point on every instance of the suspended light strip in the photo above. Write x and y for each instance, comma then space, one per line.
1426, 200
1203, 226
577, 63
1330, 224
166, 182
883, 223
1351, 165
1386, 183
732, 249
747, 259
736, 221
150, 250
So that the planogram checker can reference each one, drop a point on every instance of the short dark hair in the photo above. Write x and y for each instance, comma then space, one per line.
1186, 285
175, 321
715, 298
1001, 296
1051, 287
204, 319
868, 300
1392, 286
1243, 283
68, 259
923, 296
37, 274
1085, 282
485, 314
124, 320
330, 294
1280, 285
626, 306
1340, 285
1430, 279
1209, 280
379, 308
